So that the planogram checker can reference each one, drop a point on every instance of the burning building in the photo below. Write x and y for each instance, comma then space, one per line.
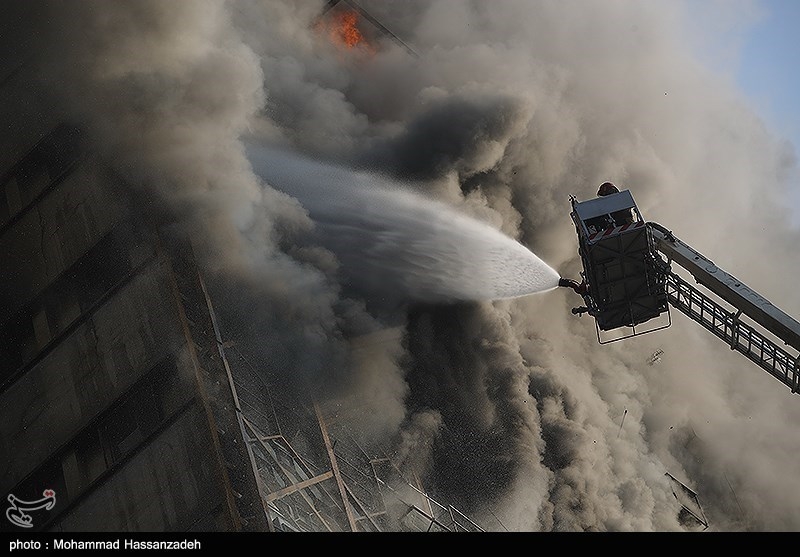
122, 400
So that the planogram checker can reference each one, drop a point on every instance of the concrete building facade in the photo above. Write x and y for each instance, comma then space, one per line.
114, 391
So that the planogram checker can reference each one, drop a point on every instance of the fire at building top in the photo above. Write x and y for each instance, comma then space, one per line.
342, 28
349, 26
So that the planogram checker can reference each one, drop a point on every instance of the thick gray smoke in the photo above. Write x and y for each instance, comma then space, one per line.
511, 410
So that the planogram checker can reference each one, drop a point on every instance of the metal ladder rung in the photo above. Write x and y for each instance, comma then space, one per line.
740, 336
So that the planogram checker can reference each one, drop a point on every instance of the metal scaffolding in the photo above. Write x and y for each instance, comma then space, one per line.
315, 477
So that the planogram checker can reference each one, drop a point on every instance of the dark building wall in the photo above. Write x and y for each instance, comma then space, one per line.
85, 372
47, 237
24, 121
170, 484
114, 390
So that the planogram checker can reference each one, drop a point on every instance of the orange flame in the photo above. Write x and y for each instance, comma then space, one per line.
347, 30
342, 28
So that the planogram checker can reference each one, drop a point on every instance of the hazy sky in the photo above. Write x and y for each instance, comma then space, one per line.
767, 71
756, 43
768, 74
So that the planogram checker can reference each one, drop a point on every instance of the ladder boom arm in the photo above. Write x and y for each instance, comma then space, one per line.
727, 287
726, 325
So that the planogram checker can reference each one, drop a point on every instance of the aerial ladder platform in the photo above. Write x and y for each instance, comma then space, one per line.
629, 286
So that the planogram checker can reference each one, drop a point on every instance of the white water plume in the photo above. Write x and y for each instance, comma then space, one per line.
396, 244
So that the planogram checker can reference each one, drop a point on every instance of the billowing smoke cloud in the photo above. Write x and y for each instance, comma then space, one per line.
510, 410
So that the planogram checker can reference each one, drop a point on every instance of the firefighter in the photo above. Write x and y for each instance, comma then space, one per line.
602, 222
620, 217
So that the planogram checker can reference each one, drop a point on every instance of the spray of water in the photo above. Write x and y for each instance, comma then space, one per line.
395, 244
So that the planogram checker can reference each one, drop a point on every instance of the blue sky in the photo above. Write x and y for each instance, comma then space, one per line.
755, 44
769, 67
